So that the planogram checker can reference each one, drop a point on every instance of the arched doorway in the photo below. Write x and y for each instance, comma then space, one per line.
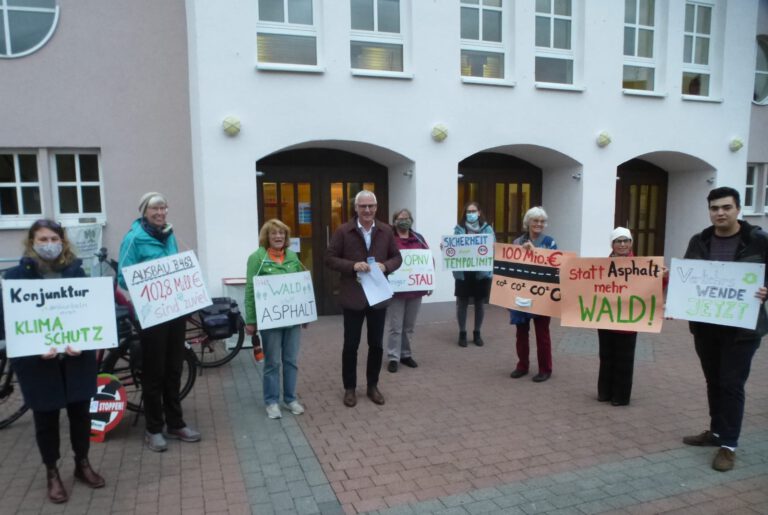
641, 205
313, 191
505, 186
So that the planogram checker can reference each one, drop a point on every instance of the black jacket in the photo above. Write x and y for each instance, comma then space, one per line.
752, 248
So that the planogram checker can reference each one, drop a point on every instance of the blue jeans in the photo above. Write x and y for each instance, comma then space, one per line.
281, 346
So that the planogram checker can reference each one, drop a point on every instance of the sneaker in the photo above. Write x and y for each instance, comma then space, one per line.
724, 460
409, 362
295, 408
392, 366
273, 411
705, 438
155, 442
185, 434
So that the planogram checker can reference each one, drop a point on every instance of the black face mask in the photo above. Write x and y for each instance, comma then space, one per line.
403, 225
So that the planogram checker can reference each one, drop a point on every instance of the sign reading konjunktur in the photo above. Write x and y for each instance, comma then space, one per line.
717, 292
467, 252
166, 288
284, 300
40, 315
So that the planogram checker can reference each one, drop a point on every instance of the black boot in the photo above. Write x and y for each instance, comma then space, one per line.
462, 338
56, 491
478, 340
85, 473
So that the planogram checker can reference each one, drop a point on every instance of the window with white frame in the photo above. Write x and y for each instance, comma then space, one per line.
286, 33
26, 25
639, 33
697, 36
20, 196
77, 185
756, 188
761, 71
376, 42
554, 41
482, 39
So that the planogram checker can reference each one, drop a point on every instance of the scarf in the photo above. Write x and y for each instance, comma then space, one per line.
472, 228
158, 234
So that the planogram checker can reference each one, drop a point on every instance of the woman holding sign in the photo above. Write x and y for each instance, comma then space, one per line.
162, 345
280, 344
57, 380
471, 285
534, 222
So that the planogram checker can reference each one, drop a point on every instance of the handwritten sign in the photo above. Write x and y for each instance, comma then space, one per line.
527, 280
716, 292
468, 252
284, 300
166, 288
54, 313
417, 273
620, 293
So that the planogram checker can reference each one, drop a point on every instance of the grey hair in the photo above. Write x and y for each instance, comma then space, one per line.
534, 212
364, 193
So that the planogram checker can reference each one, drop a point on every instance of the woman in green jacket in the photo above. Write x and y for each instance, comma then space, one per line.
281, 344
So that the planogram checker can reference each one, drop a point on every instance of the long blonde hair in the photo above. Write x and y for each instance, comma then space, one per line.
66, 257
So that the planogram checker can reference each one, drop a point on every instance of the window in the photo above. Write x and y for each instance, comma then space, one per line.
77, 185
26, 25
696, 49
756, 189
639, 33
554, 41
761, 71
19, 186
482, 39
286, 34
377, 41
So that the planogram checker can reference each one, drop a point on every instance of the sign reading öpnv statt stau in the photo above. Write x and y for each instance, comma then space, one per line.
166, 288
284, 300
53, 313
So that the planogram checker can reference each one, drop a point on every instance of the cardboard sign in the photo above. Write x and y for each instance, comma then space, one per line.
284, 300
107, 407
417, 273
716, 292
620, 293
54, 313
166, 288
527, 280
467, 252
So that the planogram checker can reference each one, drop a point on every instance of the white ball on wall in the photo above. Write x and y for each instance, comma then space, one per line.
439, 132
231, 125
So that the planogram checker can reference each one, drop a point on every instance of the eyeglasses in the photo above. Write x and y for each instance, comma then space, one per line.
158, 209
623, 241
367, 206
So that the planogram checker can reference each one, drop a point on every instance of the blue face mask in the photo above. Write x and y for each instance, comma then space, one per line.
472, 217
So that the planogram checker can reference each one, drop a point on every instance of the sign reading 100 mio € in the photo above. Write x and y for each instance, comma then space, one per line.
55, 313
284, 300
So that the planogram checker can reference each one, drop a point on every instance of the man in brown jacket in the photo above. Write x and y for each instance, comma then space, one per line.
355, 247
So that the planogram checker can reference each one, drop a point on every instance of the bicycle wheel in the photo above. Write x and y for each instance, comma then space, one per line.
214, 352
188, 372
11, 402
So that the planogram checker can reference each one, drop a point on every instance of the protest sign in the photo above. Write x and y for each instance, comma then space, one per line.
107, 406
527, 280
166, 288
284, 300
54, 313
716, 292
417, 273
619, 293
467, 252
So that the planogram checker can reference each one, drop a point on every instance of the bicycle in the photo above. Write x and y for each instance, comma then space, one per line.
11, 402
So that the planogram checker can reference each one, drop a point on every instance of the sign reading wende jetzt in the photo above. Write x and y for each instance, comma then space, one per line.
166, 288
284, 300
468, 252
717, 292
417, 273
55, 313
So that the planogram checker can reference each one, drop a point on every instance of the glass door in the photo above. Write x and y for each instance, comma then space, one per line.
641, 202
291, 203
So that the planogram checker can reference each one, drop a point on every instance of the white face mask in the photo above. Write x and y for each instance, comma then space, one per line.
48, 251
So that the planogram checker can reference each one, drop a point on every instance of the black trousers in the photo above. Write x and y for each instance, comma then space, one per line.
617, 364
353, 327
47, 432
162, 348
726, 364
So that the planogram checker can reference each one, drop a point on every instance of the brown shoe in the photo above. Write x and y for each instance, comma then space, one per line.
705, 438
56, 491
375, 395
724, 460
85, 474
350, 398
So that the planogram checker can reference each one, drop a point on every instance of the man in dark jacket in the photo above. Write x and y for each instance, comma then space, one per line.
726, 352
355, 247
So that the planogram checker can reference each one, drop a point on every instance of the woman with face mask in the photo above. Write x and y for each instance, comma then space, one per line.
57, 380
404, 308
475, 286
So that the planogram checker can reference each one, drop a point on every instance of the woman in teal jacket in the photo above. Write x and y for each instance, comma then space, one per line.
281, 344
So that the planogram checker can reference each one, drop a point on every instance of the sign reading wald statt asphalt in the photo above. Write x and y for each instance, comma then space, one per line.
417, 273
284, 300
467, 252
166, 288
54, 313
716, 292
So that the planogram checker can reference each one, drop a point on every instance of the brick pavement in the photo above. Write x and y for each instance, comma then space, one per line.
457, 436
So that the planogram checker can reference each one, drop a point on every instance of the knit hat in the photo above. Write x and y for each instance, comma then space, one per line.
619, 232
151, 198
